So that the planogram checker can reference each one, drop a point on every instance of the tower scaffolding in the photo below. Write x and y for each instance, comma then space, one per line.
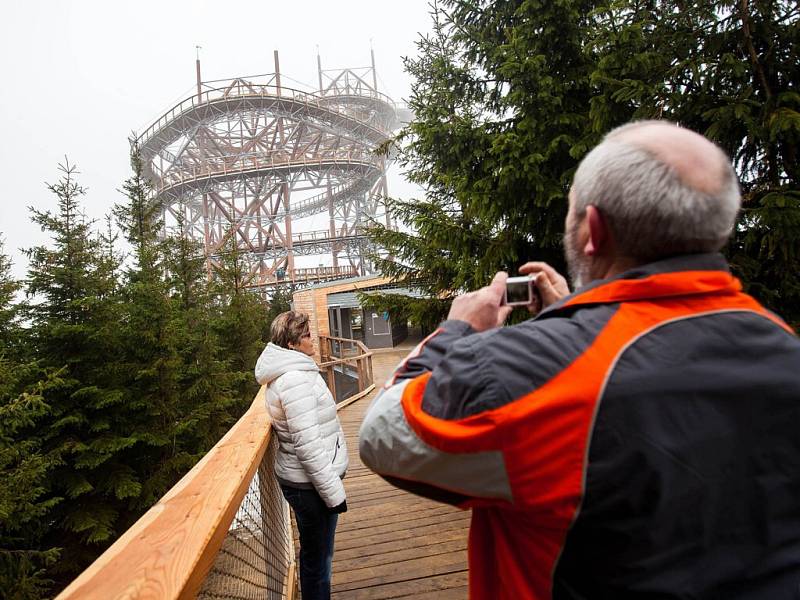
281, 172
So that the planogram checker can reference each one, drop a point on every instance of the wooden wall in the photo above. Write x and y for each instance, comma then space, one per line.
314, 302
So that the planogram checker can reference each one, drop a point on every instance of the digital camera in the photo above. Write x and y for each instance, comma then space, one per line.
521, 291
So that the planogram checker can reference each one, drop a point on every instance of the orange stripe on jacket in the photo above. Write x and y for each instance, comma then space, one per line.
660, 285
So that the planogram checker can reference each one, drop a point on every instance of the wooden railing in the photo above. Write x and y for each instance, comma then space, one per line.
322, 273
347, 368
365, 160
238, 88
222, 531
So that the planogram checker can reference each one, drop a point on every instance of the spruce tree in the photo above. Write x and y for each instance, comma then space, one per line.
149, 341
279, 301
500, 99
240, 321
71, 315
24, 467
27, 554
728, 70
509, 95
207, 401
25, 505
10, 329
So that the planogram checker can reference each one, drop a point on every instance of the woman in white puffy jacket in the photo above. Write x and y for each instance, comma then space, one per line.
312, 456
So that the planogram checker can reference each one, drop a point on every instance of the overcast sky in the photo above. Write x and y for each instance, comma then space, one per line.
80, 75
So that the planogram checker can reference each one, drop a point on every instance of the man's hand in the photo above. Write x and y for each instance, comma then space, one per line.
483, 308
551, 285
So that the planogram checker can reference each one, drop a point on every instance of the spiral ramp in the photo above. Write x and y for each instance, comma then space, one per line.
282, 173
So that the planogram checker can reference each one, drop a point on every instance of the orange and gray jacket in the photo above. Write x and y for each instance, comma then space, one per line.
639, 439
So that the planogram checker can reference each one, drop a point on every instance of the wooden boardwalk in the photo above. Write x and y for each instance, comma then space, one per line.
392, 544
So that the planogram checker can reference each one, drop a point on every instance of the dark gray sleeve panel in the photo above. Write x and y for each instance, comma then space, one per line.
487, 370
462, 384
429, 354
530, 355
694, 467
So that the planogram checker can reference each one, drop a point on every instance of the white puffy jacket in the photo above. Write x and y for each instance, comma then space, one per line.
311, 441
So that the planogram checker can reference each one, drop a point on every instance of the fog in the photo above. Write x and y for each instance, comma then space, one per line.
80, 76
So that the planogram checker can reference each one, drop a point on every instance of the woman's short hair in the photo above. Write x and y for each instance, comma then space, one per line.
288, 327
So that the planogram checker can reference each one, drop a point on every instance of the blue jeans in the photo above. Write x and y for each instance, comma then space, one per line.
317, 528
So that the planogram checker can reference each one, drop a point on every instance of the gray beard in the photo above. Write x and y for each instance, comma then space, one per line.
578, 266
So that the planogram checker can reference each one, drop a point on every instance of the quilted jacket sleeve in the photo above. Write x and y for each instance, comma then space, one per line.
296, 393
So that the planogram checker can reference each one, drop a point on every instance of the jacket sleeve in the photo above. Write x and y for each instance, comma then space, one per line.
429, 353
422, 451
296, 394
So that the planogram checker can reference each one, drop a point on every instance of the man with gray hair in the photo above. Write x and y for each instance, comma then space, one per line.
639, 437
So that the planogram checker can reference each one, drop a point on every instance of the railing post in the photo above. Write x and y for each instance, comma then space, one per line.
332, 380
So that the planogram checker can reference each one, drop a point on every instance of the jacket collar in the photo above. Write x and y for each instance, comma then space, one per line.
275, 361
684, 275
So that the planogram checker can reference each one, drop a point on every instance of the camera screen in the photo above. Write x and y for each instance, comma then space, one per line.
517, 292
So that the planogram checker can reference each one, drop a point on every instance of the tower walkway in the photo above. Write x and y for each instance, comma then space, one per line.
392, 544
224, 531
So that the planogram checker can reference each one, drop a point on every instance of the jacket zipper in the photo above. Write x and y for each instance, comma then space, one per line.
336, 450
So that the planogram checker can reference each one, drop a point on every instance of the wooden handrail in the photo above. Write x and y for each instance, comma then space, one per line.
338, 339
324, 349
167, 553
339, 361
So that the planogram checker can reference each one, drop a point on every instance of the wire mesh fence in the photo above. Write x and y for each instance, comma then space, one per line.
256, 555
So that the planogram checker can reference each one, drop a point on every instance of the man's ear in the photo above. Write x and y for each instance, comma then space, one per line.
598, 232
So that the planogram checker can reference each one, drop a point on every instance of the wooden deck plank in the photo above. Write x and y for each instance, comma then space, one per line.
392, 544
402, 572
383, 556
368, 522
445, 585
396, 545
409, 532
